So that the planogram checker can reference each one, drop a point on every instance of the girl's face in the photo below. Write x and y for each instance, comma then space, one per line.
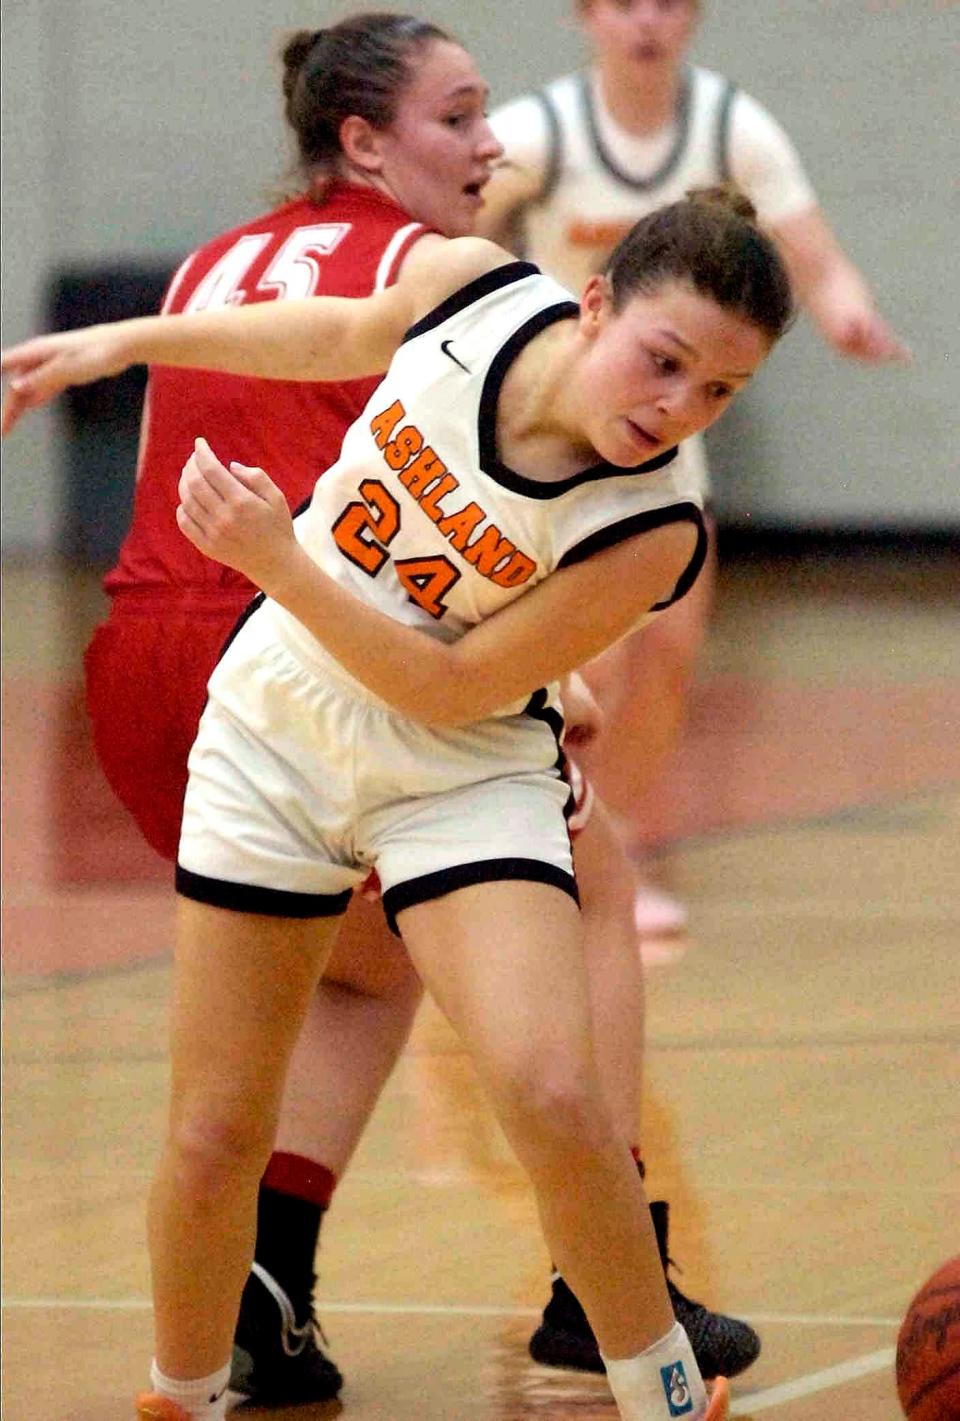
435, 158
659, 370
634, 35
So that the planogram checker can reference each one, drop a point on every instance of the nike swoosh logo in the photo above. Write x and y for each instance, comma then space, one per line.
293, 1339
445, 347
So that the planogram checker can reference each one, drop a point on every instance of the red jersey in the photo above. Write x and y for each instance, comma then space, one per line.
350, 243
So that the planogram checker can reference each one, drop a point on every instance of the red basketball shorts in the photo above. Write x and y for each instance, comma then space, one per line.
147, 668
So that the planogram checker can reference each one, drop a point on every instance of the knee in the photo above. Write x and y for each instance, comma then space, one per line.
210, 1150
553, 1099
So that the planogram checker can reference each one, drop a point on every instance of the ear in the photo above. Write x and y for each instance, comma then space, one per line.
595, 304
361, 144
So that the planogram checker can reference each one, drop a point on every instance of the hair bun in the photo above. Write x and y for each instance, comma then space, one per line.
728, 196
293, 56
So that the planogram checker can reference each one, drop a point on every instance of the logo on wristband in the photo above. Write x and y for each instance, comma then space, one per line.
676, 1389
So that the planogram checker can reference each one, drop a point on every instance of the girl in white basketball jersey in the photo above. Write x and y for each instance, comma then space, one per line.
388, 115
508, 505
585, 158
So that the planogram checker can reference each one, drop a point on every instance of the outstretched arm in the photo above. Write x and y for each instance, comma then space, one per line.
833, 290
239, 517
765, 163
321, 338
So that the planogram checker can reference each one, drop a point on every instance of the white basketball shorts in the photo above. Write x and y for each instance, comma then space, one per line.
301, 782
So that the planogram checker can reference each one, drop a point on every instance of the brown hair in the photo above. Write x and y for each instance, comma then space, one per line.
359, 66
587, 4
711, 240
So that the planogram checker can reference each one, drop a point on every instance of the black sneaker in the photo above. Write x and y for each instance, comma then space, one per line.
723, 1346
277, 1362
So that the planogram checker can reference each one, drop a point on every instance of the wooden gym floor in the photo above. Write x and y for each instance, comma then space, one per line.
801, 1107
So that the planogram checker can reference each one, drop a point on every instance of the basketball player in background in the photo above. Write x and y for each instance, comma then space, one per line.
585, 156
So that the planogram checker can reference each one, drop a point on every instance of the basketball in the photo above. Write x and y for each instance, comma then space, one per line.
928, 1349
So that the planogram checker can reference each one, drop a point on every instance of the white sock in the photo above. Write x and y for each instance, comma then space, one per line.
661, 1383
205, 1398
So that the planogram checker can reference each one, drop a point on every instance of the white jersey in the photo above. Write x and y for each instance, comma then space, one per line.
421, 518
595, 180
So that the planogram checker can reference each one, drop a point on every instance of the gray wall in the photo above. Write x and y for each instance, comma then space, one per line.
137, 131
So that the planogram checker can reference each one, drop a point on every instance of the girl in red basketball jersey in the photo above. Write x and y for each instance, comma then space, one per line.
389, 121
388, 116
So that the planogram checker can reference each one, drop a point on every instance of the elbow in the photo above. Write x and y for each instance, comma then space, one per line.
453, 700
447, 685
444, 713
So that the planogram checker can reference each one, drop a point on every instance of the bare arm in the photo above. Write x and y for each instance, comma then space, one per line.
518, 179
833, 290
321, 338
238, 516
768, 167
511, 188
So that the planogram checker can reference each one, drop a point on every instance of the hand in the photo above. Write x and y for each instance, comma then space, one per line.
41, 368
867, 336
237, 516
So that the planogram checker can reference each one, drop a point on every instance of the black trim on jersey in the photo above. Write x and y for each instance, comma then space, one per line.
538, 709
256, 601
722, 150
254, 605
670, 162
693, 568
551, 174
251, 898
474, 290
643, 523
492, 464
465, 875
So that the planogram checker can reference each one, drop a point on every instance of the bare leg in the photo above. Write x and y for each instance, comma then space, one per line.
486, 953
356, 1026
362, 1012
643, 687
364, 1007
614, 969
241, 989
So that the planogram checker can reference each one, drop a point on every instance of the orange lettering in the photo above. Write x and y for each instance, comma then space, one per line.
581, 233
488, 550
382, 425
421, 473
400, 450
516, 572
458, 526
426, 581
439, 490
361, 531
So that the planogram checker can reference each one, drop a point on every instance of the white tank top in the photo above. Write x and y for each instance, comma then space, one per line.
421, 518
596, 180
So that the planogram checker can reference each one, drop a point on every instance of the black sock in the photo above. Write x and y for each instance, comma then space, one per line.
288, 1230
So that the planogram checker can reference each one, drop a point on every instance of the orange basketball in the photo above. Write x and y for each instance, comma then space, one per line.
928, 1349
